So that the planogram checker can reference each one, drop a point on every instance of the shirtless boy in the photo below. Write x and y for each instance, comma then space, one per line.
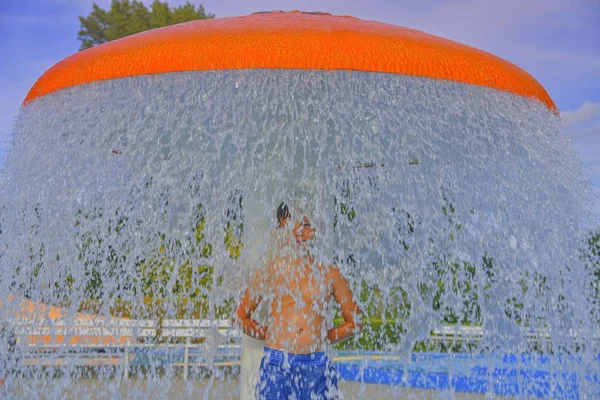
298, 293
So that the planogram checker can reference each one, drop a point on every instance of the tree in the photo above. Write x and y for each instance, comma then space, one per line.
591, 257
126, 17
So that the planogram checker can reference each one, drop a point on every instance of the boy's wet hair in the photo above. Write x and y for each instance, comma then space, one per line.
283, 212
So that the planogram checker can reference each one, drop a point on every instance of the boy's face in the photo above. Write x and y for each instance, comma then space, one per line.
303, 231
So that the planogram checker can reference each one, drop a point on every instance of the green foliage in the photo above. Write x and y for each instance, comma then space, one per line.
343, 204
380, 335
392, 304
161, 276
591, 257
233, 242
457, 279
99, 263
180, 287
176, 280
376, 335
234, 228
126, 17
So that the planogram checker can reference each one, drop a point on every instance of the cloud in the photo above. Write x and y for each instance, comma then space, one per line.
585, 121
588, 112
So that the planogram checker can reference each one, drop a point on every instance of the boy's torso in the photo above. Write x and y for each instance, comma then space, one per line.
298, 295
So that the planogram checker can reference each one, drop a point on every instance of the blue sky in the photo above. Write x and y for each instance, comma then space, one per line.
557, 41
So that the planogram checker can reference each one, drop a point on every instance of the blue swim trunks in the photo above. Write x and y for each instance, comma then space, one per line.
286, 376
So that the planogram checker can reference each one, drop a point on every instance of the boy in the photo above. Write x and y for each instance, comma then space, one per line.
298, 292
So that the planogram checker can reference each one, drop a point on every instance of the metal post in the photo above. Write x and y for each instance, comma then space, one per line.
126, 369
186, 357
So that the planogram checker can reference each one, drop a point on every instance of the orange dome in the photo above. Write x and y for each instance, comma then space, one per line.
289, 40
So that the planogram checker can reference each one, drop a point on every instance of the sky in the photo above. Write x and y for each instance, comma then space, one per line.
556, 41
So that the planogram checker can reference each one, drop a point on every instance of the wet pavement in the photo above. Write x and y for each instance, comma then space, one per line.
176, 388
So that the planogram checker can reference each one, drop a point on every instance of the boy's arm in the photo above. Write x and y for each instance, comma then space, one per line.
350, 311
242, 315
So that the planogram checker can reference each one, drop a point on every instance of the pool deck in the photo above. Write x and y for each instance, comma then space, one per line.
428, 376
177, 388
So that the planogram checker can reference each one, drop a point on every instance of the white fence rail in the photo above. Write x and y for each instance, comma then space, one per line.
36, 338
460, 333
172, 328
93, 337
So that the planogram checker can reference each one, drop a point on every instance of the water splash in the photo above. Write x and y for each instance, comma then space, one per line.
153, 197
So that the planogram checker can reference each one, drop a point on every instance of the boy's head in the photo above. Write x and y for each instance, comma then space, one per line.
302, 230
302, 210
